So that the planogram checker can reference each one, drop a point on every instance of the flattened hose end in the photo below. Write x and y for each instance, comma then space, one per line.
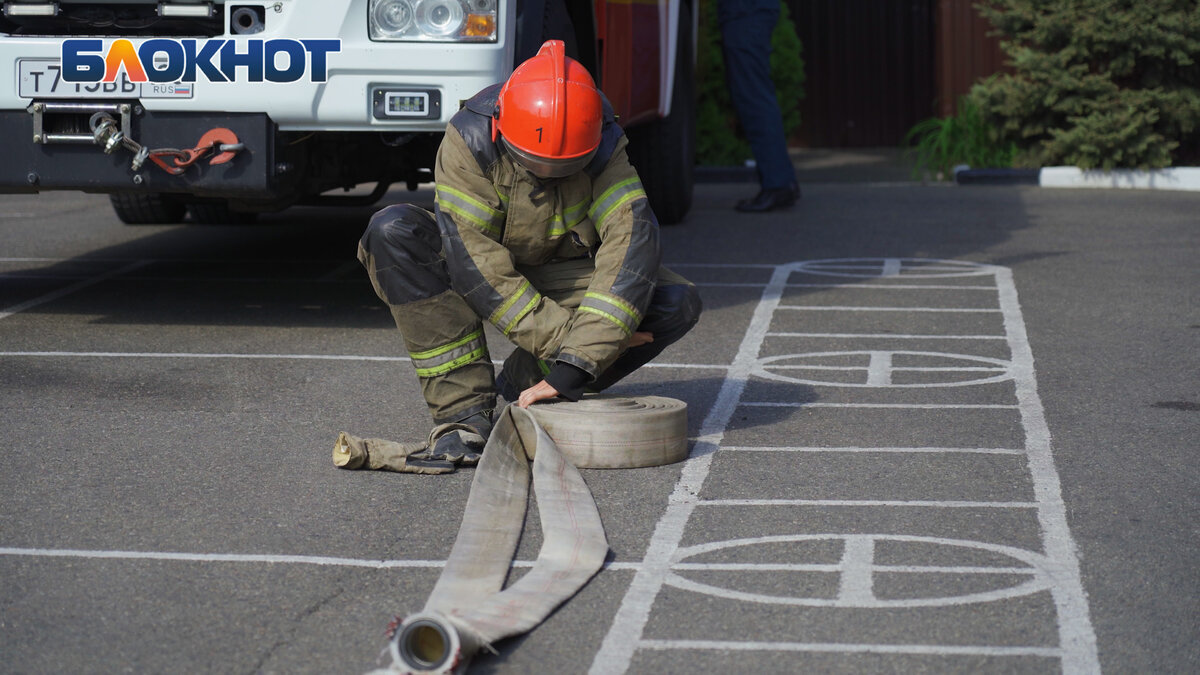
427, 642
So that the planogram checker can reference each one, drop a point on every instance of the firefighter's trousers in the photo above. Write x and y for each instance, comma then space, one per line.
401, 250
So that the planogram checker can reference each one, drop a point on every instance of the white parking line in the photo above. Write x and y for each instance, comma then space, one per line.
845, 308
287, 357
1075, 625
916, 406
902, 287
846, 648
266, 558
970, 451
869, 502
886, 336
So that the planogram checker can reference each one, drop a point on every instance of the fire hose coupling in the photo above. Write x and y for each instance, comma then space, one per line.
219, 143
428, 643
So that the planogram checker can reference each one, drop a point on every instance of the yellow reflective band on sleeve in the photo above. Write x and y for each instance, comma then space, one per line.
613, 300
451, 356
621, 324
622, 313
521, 303
612, 198
524, 310
474, 211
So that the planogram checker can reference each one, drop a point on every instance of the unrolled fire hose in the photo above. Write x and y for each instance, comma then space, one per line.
467, 610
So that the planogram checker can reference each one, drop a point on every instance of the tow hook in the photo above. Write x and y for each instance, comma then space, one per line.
219, 143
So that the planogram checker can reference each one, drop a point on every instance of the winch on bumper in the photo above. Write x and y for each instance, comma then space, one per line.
59, 151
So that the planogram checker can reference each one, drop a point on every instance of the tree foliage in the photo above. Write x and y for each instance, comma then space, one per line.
1097, 83
720, 140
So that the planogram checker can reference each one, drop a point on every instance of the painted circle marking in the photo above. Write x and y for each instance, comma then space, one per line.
857, 570
879, 368
907, 268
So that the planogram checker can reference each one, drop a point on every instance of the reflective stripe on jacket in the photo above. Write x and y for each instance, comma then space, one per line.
495, 217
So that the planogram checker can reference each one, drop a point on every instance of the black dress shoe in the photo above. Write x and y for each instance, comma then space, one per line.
769, 200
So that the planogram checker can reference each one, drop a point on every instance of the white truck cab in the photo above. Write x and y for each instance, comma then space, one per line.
227, 108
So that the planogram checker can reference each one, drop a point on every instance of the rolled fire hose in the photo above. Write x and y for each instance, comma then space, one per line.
467, 610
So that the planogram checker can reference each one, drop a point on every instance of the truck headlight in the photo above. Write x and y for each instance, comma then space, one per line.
433, 20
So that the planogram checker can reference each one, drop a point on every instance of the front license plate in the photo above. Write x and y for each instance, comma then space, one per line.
42, 78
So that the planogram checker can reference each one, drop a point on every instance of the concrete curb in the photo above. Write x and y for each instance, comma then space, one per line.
1173, 178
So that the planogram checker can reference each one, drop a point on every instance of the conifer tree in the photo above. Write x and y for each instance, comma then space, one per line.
1097, 83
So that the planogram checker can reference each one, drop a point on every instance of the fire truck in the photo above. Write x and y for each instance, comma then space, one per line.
224, 109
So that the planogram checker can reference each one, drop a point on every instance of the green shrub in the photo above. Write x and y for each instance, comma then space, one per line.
1097, 83
719, 140
939, 145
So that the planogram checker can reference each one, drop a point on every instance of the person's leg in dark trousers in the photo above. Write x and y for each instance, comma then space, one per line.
746, 27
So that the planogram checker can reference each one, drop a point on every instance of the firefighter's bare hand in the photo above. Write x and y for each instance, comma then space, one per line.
538, 392
639, 338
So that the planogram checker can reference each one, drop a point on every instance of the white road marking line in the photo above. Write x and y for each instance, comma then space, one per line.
888, 287
869, 502
185, 279
62, 292
850, 308
918, 369
970, 451
277, 559
196, 355
970, 269
912, 406
217, 557
617, 649
253, 558
887, 335
922, 287
840, 567
849, 648
1075, 625
287, 357
879, 369
723, 266
856, 586
891, 267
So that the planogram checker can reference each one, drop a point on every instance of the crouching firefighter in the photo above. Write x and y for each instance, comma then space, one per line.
541, 227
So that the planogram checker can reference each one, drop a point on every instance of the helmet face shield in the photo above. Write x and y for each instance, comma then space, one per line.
548, 167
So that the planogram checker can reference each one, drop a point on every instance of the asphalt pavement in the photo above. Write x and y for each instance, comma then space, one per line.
934, 429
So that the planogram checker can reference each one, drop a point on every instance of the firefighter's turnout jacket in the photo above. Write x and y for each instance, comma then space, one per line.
567, 268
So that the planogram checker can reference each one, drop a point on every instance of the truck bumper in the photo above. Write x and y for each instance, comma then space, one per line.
33, 166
